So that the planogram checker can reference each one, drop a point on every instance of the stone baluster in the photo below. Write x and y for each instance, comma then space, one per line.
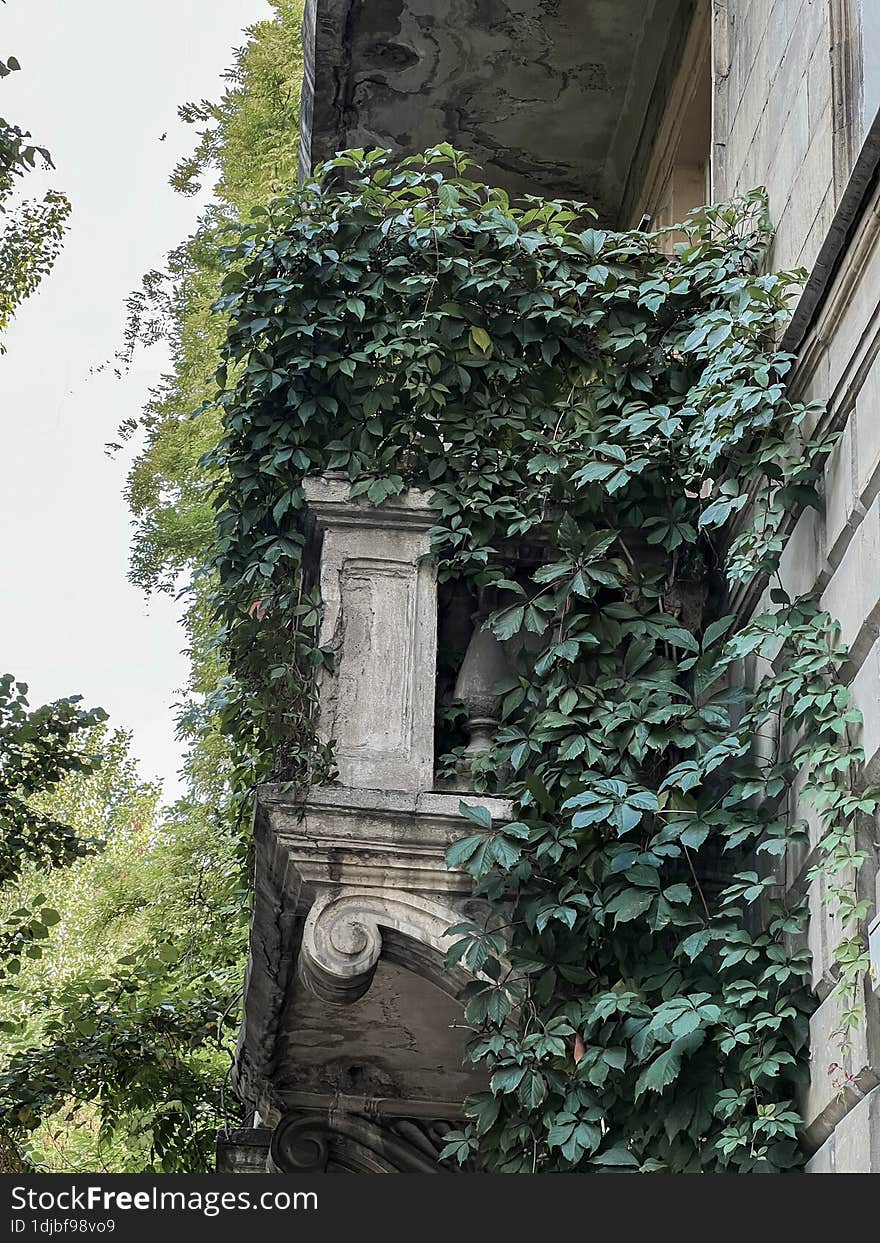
484, 665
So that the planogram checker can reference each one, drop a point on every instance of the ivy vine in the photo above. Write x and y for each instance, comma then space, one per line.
641, 982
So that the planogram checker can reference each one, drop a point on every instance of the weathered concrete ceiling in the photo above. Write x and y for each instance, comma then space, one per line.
550, 96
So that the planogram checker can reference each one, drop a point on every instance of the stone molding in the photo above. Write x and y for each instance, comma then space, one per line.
355, 870
644, 196
833, 362
329, 499
374, 838
335, 1142
243, 1150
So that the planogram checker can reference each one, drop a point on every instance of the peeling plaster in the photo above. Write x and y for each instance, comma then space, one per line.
549, 96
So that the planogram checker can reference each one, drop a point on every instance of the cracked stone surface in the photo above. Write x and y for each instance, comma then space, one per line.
549, 96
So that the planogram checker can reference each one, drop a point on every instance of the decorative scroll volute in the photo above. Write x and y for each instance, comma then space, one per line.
342, 1143
342, 941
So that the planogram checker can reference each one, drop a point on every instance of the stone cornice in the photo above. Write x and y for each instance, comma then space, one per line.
329, 497
342, 836
847, 219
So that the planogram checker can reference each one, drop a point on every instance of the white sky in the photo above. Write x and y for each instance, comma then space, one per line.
100, 82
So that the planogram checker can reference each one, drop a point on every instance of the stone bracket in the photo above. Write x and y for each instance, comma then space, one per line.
342, 938
344, 879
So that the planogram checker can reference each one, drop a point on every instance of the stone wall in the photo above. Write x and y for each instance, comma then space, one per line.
774, 119
778, 122
840, 551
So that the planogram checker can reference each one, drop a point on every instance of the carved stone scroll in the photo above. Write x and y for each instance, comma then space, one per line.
340, 1143
342, 938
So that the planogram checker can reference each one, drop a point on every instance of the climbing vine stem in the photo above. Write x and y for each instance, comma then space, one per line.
603, 423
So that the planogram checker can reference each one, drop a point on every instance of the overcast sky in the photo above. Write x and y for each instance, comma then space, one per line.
100, 83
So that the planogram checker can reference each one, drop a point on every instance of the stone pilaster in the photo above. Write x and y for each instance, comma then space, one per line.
379, 592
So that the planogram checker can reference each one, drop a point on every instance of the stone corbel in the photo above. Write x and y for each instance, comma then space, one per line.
342, 938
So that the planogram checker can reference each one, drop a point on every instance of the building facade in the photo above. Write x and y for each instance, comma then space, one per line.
349, 1053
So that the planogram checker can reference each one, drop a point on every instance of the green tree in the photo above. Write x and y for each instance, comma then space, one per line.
115, 1049
40, 749
248, 142
137, 1007
31, 230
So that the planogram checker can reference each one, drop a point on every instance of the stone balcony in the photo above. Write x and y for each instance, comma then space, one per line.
352, 1046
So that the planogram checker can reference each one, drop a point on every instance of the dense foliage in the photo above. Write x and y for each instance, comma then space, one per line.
40, 749
249, 143
115, 1053
119, 1044
31, 231
640, 996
